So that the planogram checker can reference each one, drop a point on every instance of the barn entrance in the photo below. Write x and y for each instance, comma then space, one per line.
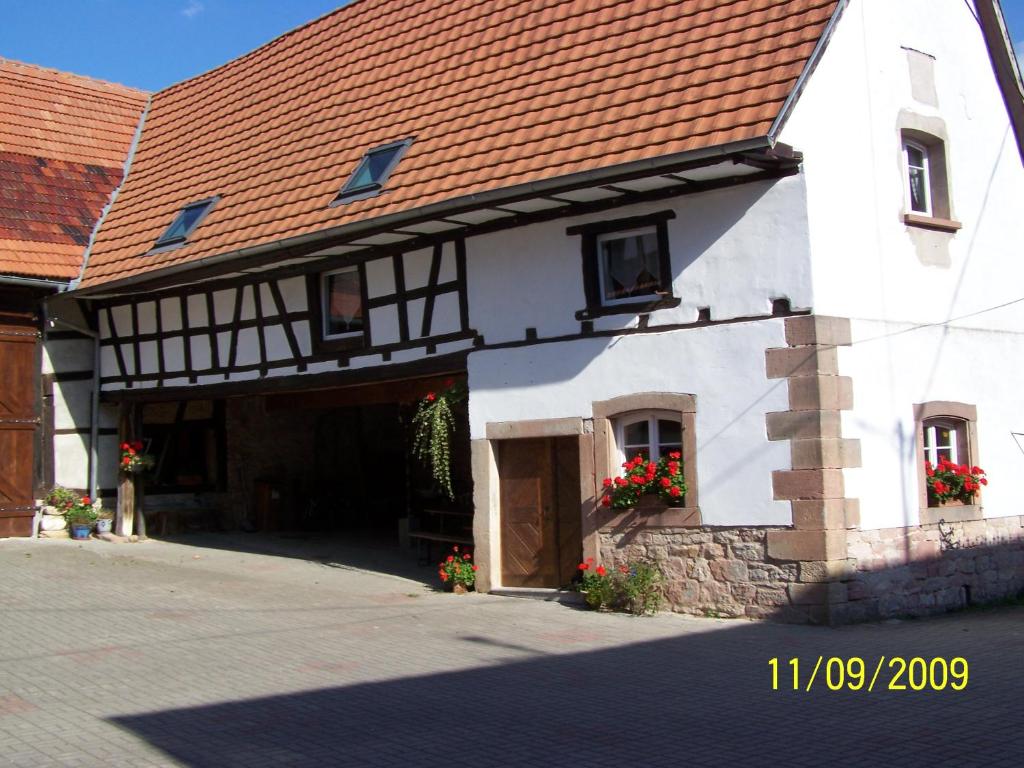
307, 467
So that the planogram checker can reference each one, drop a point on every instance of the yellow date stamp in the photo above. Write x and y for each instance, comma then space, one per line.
892, 673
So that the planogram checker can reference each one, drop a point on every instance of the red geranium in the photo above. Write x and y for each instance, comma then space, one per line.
953, 482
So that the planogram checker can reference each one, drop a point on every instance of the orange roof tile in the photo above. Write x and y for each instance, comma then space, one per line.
63, 140
496, 94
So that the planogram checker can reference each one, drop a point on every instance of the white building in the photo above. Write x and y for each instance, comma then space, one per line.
777, 237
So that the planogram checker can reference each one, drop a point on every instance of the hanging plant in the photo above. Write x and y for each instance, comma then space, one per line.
434, 424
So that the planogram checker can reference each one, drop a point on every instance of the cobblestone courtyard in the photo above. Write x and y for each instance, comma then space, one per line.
175, 655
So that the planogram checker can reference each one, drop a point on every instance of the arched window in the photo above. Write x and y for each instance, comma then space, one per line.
651, 434
945, 438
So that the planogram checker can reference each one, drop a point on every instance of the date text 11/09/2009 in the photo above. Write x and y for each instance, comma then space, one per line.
854, 674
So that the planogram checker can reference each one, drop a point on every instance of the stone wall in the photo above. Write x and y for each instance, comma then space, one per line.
717, 571
931, 569
889, 573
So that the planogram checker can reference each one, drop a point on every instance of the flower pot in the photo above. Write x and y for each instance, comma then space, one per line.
80, 531
104, 525
460, 589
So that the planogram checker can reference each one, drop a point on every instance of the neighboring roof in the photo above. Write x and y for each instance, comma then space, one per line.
63, 142
496, 94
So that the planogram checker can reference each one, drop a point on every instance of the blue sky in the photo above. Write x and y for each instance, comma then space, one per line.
153, 43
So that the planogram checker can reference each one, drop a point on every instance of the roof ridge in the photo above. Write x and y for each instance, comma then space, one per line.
274, 41
64, 73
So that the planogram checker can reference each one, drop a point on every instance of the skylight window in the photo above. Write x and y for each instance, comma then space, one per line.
372, 171
186, 221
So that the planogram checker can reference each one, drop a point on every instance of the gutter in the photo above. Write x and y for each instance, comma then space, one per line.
348, 232
113, 195
31, 282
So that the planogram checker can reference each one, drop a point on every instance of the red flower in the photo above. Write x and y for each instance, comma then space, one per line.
674, 491
444, 576
474, 568
940, 487
131, 451
600, 570
137, 445
450, 558
606, 501
125, 446
455, 548
651, 467
983, 481
465, 556
431, 397
673, 467
636, 480
607, 482
977, 471
621, 481
86, 500
638, 460
126, 461
623, 569
928, 470
675, 455
665, 482
584, 566
590, 560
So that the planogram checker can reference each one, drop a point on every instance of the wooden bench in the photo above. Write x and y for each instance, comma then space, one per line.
425, 541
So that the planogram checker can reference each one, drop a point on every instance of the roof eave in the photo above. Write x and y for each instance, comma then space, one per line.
583, 179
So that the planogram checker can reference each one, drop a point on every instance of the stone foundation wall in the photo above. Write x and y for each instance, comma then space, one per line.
719, 571
931, 569
889, 573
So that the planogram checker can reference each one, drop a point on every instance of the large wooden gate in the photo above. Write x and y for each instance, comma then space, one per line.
18, 421
540, 511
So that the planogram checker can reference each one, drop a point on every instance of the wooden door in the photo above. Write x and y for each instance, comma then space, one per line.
18, 421
539, 499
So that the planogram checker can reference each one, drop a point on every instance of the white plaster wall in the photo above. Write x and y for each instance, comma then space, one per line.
891, 372
723, 366
733, 250
864, 261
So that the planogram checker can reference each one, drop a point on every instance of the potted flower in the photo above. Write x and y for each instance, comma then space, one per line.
952, 484
133, 460
458, 571
662, 479
81, 514
104, 521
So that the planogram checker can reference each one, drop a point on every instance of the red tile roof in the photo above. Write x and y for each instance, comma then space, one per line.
63, 140
496, 93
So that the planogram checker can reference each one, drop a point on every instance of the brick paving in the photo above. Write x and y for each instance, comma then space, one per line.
161, 654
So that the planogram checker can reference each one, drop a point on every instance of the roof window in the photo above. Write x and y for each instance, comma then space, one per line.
372, 171
185, 222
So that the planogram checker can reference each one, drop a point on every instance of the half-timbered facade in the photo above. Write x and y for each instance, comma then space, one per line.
621, 249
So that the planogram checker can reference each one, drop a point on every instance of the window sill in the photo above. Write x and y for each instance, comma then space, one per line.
951, 513
618, 520
930, 222
632, 308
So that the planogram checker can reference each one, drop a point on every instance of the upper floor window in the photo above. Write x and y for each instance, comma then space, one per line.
342, 303
926, 188
626, 265
917, 188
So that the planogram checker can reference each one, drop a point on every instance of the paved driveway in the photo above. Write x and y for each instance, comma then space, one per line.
167, 654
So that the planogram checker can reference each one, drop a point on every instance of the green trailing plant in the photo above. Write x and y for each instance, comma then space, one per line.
434, 425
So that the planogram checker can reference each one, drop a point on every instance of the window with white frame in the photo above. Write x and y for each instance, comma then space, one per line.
342, 303
918, 181
651, 434
945, 438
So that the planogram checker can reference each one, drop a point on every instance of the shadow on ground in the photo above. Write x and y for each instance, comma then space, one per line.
350, 551
703, 698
